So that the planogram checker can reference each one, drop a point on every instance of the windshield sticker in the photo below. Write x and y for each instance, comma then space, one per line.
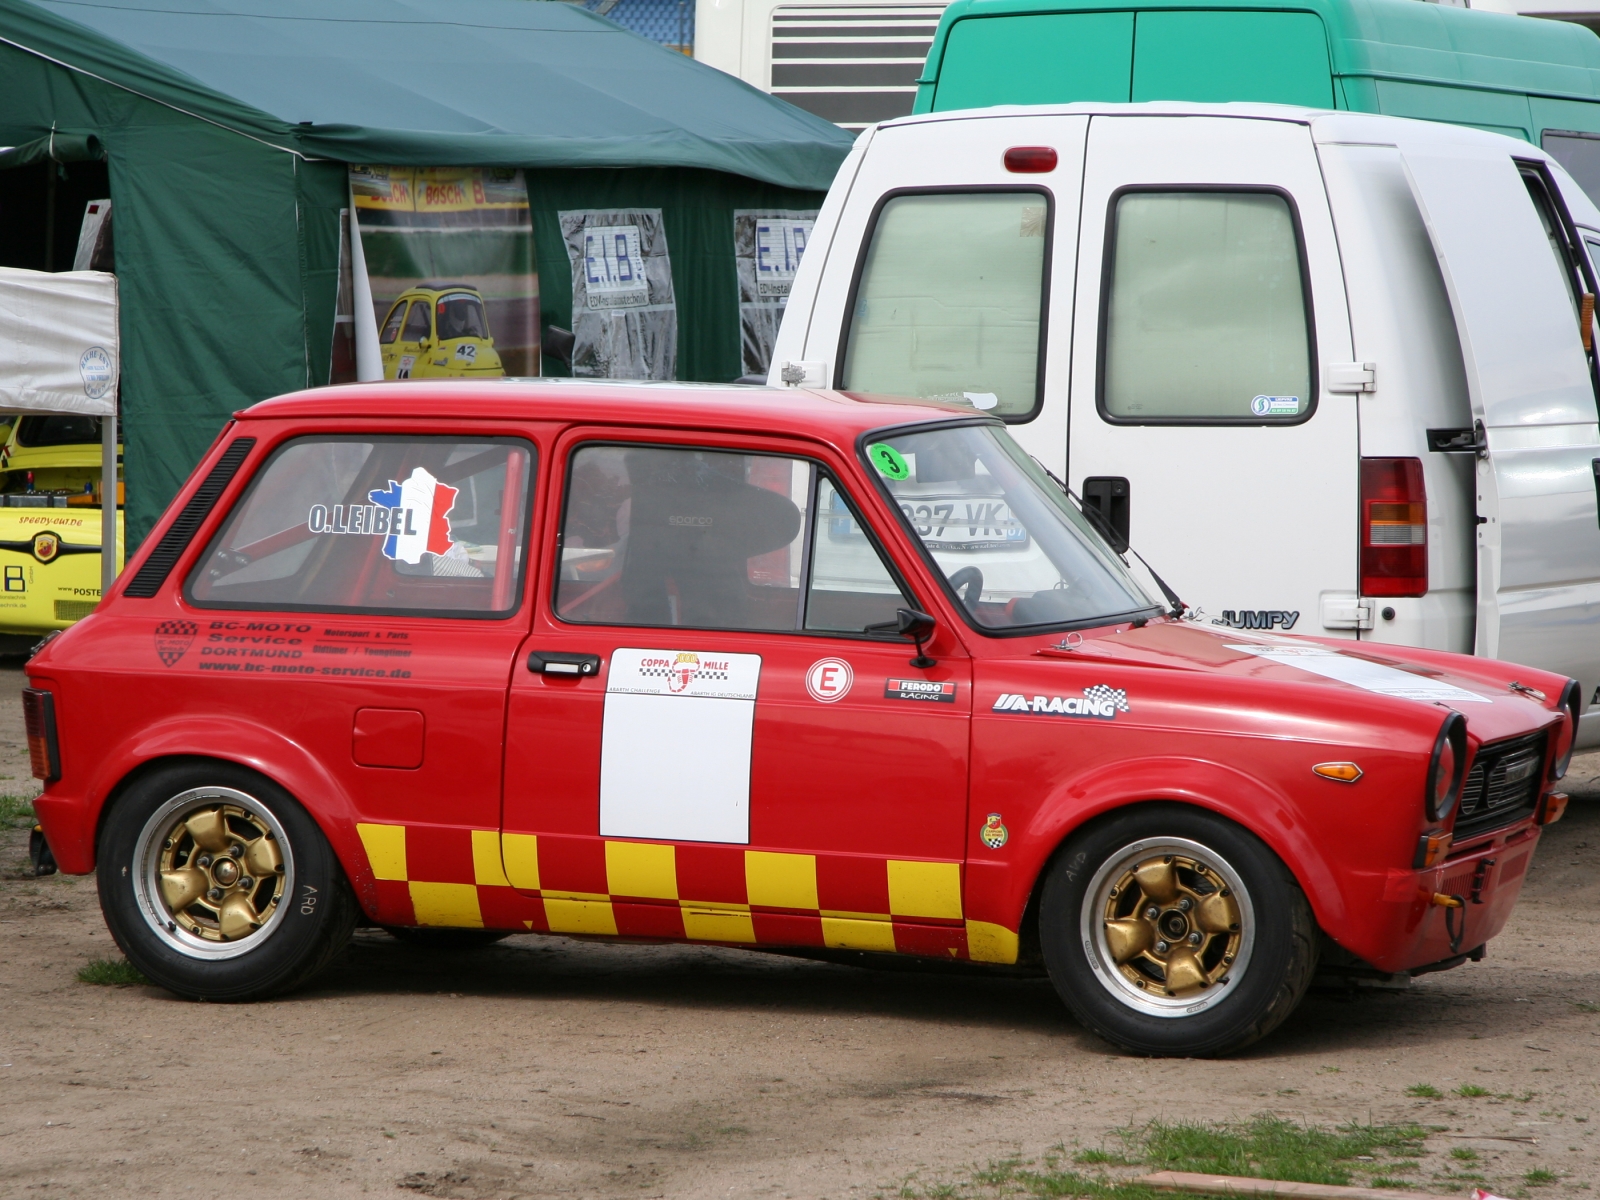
413, 517
982, 400
1276, 406
888, 460
1361, 673
1100, 701
919, 689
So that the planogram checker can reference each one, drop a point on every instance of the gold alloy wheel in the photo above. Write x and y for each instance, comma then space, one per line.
1168, 926
213, 871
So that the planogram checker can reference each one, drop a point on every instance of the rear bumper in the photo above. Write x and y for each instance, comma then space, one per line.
69, 828
1487, 876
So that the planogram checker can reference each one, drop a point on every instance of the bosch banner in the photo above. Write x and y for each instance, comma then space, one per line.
449, 261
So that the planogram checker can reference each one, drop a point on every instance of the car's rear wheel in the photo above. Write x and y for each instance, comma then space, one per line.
217, 885
1170, 931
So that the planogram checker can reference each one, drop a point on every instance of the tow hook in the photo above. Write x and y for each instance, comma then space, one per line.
1457, 928
44, 862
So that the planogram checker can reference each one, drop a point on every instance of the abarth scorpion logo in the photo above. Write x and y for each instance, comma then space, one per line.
173, 639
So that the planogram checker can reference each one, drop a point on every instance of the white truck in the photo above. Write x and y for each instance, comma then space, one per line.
1330, 373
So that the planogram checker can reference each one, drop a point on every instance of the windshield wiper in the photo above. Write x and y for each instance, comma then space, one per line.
1103, 525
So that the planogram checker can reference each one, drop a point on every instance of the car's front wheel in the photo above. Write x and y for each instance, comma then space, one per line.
1170, 931
217, 885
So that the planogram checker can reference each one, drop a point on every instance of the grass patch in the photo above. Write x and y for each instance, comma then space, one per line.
16, 812
1266, 1148
1539, 1177
1464, 1154
1588, 1005
109, 972
1424, 1091
1472, 1091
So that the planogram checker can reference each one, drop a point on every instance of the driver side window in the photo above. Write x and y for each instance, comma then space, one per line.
417, 326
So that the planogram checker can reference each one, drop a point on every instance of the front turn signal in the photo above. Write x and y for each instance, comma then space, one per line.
1345, 772
1431, 849
1553, 808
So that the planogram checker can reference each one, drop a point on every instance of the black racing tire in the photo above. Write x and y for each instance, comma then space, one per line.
1232, 931
217, 885
446, 941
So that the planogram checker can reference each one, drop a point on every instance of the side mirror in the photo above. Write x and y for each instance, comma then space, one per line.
914, 624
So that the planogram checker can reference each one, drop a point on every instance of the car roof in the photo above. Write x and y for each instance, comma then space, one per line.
833, 416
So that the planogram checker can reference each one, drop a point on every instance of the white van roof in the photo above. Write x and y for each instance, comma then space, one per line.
1328, 127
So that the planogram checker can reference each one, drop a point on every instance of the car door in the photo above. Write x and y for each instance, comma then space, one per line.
1209, 304
1510, 257
380, 577
414, 341
704, 740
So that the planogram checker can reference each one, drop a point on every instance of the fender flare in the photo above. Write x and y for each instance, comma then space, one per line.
1244, 799
228, 739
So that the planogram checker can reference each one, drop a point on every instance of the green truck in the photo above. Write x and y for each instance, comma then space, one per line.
1532, 79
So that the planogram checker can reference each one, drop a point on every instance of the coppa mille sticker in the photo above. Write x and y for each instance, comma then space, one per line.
1097, 701
412, 518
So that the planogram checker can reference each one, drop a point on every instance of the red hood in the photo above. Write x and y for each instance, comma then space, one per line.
1477, 688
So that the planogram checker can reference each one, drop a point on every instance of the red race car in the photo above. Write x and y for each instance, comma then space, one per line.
772, 669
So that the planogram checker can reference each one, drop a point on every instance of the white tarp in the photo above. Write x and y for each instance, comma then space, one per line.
58, 341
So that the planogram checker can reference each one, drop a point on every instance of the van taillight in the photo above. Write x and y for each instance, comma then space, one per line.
39, 718
1394, 528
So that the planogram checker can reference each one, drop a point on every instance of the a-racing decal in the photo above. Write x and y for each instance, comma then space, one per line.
1099, 701
675, 745
412, 517
925, 690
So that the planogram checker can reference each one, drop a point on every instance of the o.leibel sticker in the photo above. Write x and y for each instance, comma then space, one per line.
96, 368
413, 518
173, 639
829, 679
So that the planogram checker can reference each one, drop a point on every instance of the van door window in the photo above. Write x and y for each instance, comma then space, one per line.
417, 326
948, 301
415, 525
1575, 268
1205, 315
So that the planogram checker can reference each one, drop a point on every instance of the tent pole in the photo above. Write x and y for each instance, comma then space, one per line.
108, 501
369, 359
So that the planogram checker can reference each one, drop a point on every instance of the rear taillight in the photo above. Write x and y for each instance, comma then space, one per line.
39, 718
1394, 528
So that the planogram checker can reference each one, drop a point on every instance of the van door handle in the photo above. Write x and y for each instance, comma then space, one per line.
555, 662
1106, 497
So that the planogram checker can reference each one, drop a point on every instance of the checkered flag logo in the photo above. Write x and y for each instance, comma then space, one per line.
1117, 696
173, 639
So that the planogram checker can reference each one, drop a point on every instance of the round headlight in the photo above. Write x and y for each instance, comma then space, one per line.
1445, 768
1572, 702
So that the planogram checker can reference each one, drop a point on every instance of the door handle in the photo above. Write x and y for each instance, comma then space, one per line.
554, 662
1108, 496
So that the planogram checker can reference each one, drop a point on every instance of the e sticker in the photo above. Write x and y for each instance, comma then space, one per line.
888, 461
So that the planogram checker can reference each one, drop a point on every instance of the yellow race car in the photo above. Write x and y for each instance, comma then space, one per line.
437, 329
50, 527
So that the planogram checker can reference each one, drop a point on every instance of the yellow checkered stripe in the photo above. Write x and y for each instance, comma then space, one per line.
775, 882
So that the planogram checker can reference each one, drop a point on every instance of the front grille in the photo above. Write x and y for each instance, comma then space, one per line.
1503, 786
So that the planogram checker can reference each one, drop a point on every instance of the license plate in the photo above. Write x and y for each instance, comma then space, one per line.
965, 523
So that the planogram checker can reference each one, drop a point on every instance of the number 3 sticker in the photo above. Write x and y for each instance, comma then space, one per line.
888, 460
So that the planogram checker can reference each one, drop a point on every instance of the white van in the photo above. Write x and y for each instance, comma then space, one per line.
1326, 370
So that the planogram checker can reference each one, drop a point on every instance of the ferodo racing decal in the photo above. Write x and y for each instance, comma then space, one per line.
1097, 701
1361, 673
675, 745
413, 517
919, 689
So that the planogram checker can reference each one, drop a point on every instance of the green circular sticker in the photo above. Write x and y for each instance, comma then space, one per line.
888, 460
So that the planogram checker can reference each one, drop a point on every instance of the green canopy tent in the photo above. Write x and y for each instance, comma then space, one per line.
227, 128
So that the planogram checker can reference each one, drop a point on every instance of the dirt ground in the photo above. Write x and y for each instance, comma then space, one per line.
549, 1067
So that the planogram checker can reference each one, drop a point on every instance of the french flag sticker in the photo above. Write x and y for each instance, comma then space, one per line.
420, 518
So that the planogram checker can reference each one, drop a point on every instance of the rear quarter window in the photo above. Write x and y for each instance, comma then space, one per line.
381, 524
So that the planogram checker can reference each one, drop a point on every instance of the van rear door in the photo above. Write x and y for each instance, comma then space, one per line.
1209, 305
1498, 235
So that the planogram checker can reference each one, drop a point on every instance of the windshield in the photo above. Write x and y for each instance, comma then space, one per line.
1009, 544
61, 430
460, 315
